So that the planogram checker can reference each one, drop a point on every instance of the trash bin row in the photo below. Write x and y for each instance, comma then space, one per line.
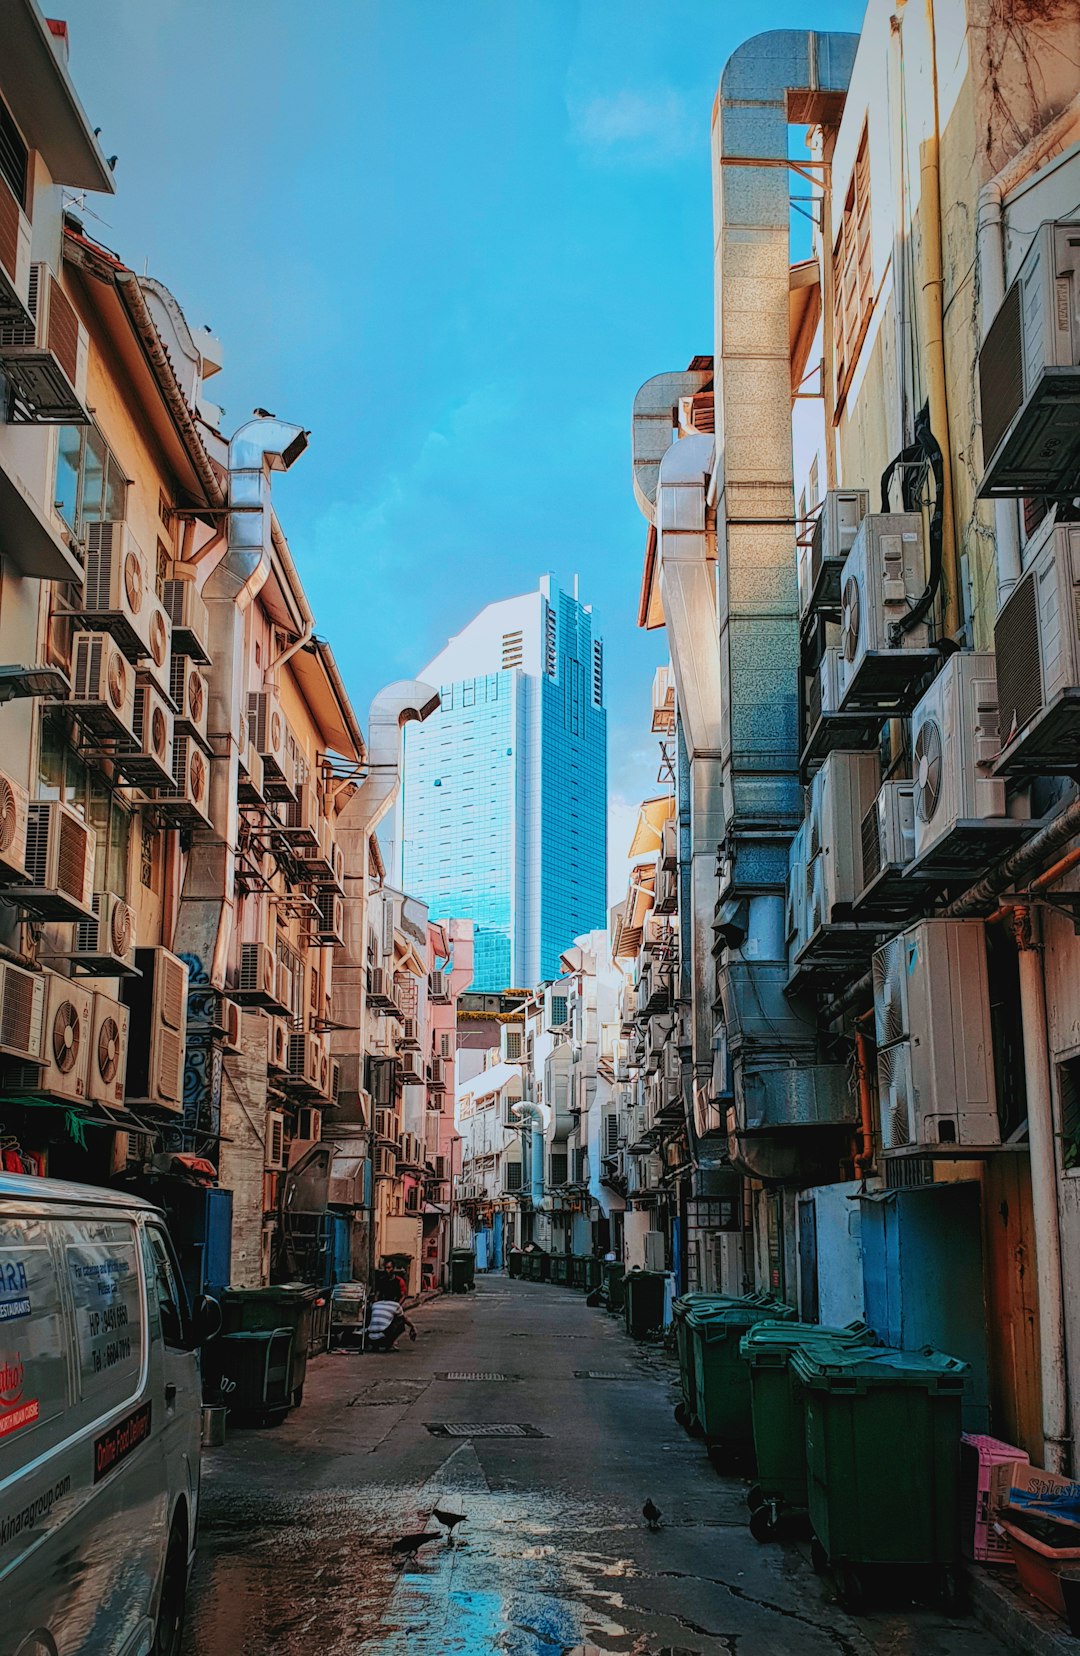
581, 1271
859, 1440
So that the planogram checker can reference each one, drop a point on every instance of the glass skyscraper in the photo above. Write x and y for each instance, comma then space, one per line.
502, 813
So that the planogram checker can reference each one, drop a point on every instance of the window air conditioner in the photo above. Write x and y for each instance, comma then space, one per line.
188, 689
512, 1042
820, 563
188, 799
1029, 373
106, 1078
883, 577
935, 1046
65, 1049
157, 1036
270, 735
22, 1012
148, 758
309, 1123
274, 1141
117, 591
102, 685
189, 618
44, 356
105, 945
960, 821
1037, 649
14, 258
330, 917
59, 863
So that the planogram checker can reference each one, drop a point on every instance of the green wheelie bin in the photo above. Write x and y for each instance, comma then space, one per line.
560, 1269
721, 1378
883, 1464
462, 1270
288, 1305
614, 1282
592, 1273
778, 1414
686, 1409
577, 1270
250, 1372
643, 1308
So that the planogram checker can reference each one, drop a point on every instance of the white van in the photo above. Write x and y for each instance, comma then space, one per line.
100, 1411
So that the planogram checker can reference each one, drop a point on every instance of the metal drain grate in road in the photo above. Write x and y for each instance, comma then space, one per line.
472, 1374
482, 1429
601, 1374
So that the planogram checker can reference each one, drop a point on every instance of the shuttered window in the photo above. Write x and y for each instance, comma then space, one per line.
853, 279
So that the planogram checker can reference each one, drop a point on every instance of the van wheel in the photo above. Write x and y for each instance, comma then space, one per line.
170, 1622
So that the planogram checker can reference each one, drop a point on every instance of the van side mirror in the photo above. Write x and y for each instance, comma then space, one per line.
206, 1320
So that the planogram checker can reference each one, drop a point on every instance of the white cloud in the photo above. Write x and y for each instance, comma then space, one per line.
652, 127
621, 822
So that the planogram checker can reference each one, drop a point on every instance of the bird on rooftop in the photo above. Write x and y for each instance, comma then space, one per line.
411, 1544
450, 1519
263, 414
652, 1515
113, 159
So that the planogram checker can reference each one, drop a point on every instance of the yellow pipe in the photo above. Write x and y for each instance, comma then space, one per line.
934, 337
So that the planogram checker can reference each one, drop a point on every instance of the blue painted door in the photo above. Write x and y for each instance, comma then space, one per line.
497, 1243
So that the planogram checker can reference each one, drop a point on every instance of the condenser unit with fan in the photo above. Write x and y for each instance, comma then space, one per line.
410, 1033
43, 355
832, 537
936, 1085
881, 669
14, 257
386, 1126
251, 789
439, 987
22, 1012
14, 821
827, 726
256, 981
960, 821
155, 667
329, 917
410, 1066
840, 795
309, 1124
318, 860
231, 1025
1037, 650
189, 619
157, 1038
102, 685
188, 799
59, 863
106, 1077
117, 591
270, 734
278, 1045
309, 1063
888, 845
299, 819
1029, 373
105, 945
188, 689
438, 1071
274, 1141
385, 1162
65, 1047
147, 761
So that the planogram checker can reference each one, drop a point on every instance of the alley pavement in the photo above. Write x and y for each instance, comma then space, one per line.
297, 1523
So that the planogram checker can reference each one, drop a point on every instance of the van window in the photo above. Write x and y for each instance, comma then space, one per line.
33, 1345
103, 1273
166, 1286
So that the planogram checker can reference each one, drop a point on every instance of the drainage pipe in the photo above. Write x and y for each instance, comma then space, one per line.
1044, 1186
864, 1160
536, 1148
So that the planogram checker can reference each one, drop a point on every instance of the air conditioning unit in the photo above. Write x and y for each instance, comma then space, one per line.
157, 1037
65, 1048
102, 685
59, 863
820, 563
385, 1162
118, 594
189, 690
330, 917
795, 904
287, 988
380, 989
274, 1141
309, 1062
1029, 373
337, 876
189, 619
447, 1044
935, 1045
439, 1070
657, 933
278, 1038
270, 734
188, 800
256, 983
386, 1126
105, 945
410, 1066
318, 860
888, 846
299, 819
669, 846
14, 258
156, 666
512, 1042
14, 822
410, 1033
22, 1012
148, 760
231, 1025
251, 789
309, 1123
44, 357
439, 987
883, 578
106, 1078
1037, 649
960, 821
839, 796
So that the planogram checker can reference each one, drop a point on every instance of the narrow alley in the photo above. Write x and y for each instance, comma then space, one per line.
298, 1523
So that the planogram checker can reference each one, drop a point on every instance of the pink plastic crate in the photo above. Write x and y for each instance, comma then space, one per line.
979, 1455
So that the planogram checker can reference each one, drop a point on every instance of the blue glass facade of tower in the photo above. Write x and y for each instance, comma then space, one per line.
502, 816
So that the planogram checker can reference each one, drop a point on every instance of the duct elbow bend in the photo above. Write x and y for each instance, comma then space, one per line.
266, 442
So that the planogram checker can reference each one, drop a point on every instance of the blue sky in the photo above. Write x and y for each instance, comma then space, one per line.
452, 237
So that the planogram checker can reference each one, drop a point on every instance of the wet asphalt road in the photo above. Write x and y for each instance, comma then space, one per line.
294, 1552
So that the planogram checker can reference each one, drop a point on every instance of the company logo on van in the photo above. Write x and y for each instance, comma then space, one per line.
14, 1412
11, 1381
14, 1298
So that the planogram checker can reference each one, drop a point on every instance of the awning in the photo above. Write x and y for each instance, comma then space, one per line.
28, 538
649, 831
314, 673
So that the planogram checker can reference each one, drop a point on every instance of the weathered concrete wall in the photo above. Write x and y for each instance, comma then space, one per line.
243, 1125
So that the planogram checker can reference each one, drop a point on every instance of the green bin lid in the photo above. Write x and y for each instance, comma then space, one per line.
766, 1341
829, 1367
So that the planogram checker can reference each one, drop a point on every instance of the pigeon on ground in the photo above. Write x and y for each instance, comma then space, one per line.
411, 1544
652, 1515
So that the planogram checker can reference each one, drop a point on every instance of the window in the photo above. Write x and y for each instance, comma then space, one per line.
512, 1176
853, 294
14, 156
90, 486
63, 775
558, 1168
167, 1288
598, 673
1069, 1093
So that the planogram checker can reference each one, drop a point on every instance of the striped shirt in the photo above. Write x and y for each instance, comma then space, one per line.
381, 1315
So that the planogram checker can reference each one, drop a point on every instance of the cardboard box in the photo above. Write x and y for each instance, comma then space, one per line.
1016, 1484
